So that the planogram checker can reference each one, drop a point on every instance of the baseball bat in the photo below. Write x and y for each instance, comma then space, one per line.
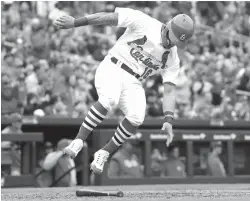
87, 192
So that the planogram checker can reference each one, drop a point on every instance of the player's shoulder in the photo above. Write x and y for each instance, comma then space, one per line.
129, 11
148, 18
139, 15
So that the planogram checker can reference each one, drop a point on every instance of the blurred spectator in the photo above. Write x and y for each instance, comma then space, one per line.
60, 109
217, 88
183, 93
57, 11
125, 164
174, 167
244, 79
12, 97
62, 63
58, 167
11, 150
38, 39
31, 80
154, 105
43, 177
16, 124
47, 149
157, 162
215, 165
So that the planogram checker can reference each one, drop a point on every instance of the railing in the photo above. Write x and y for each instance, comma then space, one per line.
189, 138
188, 133
152, 123
28, 158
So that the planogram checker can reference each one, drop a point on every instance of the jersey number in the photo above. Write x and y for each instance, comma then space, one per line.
146, 72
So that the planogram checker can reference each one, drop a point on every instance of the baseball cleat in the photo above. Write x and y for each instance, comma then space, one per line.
100, 158
74, 148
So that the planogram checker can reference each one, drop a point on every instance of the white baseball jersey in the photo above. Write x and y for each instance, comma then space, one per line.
140, 46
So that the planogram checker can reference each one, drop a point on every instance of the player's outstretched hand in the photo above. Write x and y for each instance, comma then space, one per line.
168, 130
64, 22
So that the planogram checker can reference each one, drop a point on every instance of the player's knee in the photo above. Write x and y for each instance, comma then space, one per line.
108, 103
135, 120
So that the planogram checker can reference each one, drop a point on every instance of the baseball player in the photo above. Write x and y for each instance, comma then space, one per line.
146, 47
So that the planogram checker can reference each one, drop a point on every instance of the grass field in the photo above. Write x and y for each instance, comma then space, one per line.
194, 192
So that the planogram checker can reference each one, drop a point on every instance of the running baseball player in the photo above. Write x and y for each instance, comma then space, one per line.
146, 47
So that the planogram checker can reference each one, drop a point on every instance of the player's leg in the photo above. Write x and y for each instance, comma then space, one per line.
108, 90
94, 117
133, 104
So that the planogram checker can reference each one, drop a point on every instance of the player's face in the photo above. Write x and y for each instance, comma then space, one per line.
169, 42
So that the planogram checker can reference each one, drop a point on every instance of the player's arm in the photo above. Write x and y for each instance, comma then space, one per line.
122, 17
169, 77
104, 18
169, 99
168, 109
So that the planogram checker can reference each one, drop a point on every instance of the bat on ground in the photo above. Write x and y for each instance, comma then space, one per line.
93, 193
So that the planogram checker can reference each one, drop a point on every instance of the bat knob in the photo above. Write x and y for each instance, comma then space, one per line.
120, 194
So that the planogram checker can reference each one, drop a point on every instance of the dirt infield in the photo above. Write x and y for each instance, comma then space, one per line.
194, 192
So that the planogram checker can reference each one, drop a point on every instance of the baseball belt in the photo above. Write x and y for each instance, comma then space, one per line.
125, 67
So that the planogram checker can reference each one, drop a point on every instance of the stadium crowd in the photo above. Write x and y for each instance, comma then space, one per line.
51, 72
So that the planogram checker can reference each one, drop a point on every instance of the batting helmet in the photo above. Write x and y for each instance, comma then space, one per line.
181, 28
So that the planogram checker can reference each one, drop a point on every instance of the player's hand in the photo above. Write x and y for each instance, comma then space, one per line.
64, 22
168, 129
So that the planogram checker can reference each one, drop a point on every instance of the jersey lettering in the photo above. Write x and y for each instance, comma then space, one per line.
137, 53
138, 56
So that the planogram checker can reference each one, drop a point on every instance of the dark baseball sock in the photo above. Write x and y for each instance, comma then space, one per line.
95, 116
124, 131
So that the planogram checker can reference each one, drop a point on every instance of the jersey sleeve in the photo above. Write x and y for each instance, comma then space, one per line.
128, 17
171, 73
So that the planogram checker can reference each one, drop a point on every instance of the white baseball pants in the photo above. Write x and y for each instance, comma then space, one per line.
117, 88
